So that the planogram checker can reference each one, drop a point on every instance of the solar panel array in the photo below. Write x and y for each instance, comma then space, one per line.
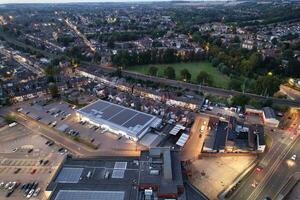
69, 175
118, 173
120, 165
119, 170
130, 119
89, 195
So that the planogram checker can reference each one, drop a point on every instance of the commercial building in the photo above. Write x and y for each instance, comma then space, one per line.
156, 174
267, 115
120, 120
234, 137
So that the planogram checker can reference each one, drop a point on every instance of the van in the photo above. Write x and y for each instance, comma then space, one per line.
12, 124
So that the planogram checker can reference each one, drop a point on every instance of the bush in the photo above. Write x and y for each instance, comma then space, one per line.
9, 118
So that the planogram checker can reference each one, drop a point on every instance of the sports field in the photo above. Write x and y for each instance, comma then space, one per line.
220, 80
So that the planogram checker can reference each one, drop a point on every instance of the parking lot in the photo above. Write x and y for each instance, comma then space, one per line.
62, 117
27, 162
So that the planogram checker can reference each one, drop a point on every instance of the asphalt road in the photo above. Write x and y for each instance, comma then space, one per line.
281, 174
277, 168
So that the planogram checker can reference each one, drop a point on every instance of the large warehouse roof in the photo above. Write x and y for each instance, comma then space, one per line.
130, 121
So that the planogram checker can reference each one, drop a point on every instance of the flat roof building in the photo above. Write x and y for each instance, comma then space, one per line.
124, 121
221, 136
156, 174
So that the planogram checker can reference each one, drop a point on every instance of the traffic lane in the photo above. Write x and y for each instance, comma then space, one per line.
245, 189
277, 162
281, 175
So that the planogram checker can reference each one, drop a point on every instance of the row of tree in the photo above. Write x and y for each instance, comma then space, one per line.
184, 75
154, 56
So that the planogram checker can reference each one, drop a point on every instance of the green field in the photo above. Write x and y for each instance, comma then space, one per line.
220, 80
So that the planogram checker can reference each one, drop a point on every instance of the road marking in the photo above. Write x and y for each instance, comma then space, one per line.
279, 144
256, 192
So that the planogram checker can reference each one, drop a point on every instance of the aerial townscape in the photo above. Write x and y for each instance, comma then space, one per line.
150, 100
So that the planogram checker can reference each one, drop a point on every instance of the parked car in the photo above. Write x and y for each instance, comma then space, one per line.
46, 162
50, 143
29, 195
17, 170
37, 191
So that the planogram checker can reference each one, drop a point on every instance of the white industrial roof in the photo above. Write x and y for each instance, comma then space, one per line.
182, 140
176, 129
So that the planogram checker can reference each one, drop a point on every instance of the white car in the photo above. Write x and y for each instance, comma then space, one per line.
37, 191
294, 157
29, 195
7, 185
12, 185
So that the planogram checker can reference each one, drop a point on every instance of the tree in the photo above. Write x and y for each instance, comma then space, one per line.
204, 78
51, 72
293, 68
246, 67
9, 118
235, 84
287, 54
255, 60
153, 71
240, 100
185, 75
169, 73
267, 85
121, 59
53, 90
215, 62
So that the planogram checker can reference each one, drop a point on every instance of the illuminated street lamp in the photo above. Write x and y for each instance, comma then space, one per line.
291, 81
270, 74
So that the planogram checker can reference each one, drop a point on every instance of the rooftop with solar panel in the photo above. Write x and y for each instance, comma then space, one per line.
124, 121
156, 173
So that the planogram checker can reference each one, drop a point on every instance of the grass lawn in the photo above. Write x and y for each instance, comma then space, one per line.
220, 80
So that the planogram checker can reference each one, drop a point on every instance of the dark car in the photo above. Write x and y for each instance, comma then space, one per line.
50, 143
17, 170
30, 150
9, 193
33, 171
46, 162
